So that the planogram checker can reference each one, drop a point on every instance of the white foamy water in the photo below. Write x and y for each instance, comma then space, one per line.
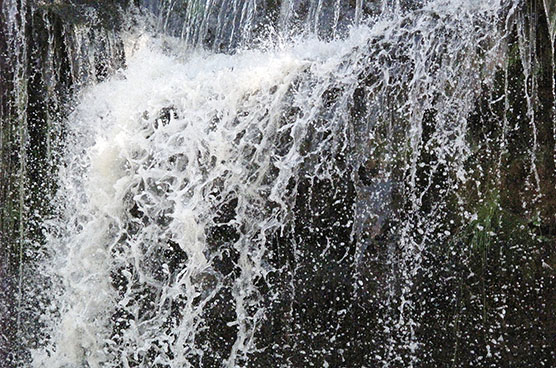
155, 153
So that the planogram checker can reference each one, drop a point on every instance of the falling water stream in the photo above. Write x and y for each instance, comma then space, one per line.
251, 154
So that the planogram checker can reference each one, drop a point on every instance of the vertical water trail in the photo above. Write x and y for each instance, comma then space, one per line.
527, 46
505, 121
286, 10
336, 19
358, 10
550, 10
16, 25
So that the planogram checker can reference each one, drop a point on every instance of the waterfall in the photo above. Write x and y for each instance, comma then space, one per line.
226, 183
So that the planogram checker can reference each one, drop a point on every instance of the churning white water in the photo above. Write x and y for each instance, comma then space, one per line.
156, 152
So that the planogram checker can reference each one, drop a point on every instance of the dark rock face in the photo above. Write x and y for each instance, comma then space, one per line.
482, 297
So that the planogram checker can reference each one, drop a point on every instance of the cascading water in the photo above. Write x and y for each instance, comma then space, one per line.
291, 184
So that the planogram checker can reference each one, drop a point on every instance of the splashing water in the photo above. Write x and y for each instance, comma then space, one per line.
184, 171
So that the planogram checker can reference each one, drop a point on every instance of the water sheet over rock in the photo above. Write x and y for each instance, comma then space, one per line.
284, 184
